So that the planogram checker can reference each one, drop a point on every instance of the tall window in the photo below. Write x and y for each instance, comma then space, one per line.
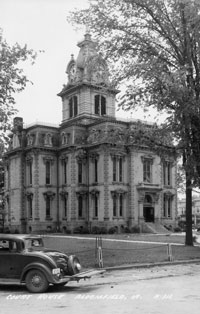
114, 169
48, 206
29, 173
120, 169
100, 105
30, 206
167, 210
80, 206
167, 167
73, 106
96, 170
65, 171
48, 172
96, 205
80, 172
147, 170
120, 205
114, 206
65, 207
117, 169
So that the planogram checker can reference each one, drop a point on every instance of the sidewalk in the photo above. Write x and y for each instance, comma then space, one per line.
151, 265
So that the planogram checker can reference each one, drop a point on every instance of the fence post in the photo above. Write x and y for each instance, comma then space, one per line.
169, 252
99, 255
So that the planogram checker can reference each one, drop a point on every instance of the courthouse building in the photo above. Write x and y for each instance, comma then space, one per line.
87, 172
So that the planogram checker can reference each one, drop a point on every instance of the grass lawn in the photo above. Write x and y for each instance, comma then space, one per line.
129, 249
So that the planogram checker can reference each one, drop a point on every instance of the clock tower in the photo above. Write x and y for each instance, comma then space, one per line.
88, 93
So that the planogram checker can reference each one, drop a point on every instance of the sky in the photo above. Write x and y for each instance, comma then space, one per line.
42, 25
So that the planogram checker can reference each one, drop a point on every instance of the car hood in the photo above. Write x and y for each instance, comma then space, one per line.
52, 253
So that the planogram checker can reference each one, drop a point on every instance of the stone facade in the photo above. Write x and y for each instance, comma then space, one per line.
87, 172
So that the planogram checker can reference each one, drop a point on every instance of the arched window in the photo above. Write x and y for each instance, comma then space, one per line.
64, 140
73, 106
99, 105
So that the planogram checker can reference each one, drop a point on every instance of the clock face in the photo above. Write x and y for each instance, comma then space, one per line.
72, 72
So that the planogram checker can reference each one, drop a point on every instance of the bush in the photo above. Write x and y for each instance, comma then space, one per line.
49, 229
112, 230
135, 229
65, 230
6, 230
177, 229
103, 230
127, 230
95, 230
81, 230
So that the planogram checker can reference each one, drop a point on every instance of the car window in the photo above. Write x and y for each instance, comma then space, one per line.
8, 245
36, 242
13, 246
33, 243
4, 245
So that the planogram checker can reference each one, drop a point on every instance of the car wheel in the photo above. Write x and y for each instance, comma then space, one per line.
36, 281
73, 265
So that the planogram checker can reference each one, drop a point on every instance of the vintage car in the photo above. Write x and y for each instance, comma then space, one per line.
25, 260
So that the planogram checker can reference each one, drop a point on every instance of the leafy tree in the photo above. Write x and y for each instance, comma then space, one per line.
12, 80
154, 46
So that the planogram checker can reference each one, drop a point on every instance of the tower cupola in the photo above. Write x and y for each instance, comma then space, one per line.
88, 90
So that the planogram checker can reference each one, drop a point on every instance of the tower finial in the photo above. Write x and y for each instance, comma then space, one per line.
87, 29
87, 33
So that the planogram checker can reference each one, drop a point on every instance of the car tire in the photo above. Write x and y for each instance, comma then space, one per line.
36, 281
72, 262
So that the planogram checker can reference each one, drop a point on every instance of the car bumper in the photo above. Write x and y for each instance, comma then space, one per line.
82, 275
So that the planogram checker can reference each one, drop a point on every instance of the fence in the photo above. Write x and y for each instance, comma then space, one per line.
100, 252
113, 256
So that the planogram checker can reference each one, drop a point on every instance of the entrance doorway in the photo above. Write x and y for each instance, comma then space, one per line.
148, 209
148, 214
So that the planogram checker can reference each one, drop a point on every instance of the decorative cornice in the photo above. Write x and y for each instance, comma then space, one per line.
49, 194
48, 158
63, 194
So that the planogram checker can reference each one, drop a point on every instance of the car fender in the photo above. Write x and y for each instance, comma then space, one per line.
44, 268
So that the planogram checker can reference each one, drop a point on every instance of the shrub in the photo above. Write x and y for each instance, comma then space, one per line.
135, 229
127, 230
6, 230
65, 230
112, 230
95, 230
177, 229
81, 230
85, 230
103, 230
49, 229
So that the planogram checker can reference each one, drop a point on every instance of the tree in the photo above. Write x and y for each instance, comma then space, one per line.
12, 80
154, 46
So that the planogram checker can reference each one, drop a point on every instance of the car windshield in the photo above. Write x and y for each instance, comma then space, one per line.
33, 243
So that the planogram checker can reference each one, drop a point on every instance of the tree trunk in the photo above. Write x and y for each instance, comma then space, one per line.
188, 236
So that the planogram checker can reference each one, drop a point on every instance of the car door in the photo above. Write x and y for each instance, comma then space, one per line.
10, 256
5, 259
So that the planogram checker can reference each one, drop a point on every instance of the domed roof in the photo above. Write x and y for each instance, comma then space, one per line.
89, 66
